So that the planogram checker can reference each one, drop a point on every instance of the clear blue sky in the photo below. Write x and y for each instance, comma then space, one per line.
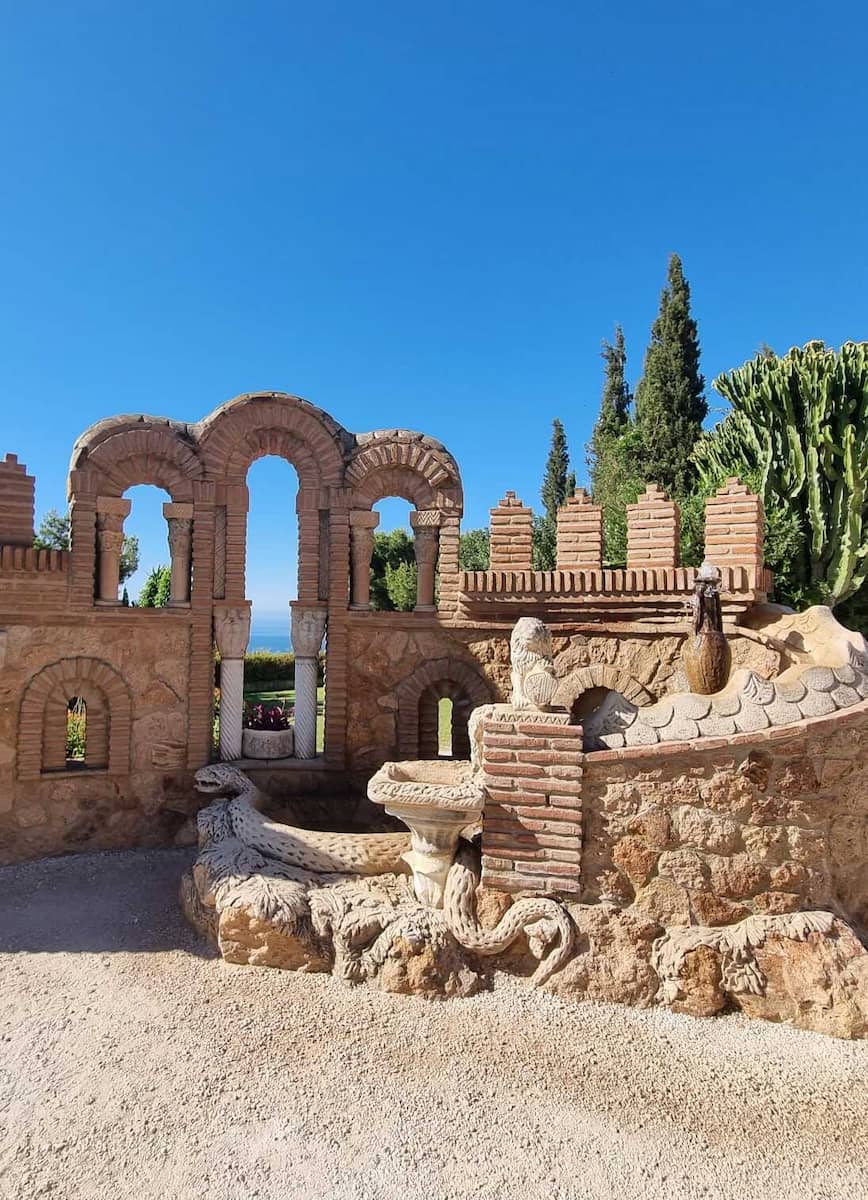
416, 215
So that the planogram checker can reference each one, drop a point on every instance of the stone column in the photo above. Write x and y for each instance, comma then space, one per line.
426, 527
110, 513
308, 628
179, 518
231, 632
362, 526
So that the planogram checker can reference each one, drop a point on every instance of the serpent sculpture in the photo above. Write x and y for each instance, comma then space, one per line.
349, 892
307, 849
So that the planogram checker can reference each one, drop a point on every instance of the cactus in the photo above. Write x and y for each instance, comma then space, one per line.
801, 423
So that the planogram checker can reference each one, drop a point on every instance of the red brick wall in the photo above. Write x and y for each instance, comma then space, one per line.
511, 535
532, 826
580, 532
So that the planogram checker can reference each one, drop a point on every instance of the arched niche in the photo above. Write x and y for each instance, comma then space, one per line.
43, 717
417, 697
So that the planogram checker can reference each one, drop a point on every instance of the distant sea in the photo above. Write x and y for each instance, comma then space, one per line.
270, 634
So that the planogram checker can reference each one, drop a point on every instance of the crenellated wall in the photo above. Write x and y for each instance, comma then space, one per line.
147, 676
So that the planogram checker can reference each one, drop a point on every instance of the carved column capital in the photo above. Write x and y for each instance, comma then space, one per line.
308, 630
232, 629
110, 540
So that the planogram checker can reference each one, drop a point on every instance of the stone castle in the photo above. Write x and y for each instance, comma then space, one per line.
685, 810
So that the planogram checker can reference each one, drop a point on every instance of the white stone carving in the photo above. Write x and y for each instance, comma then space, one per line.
735, 943
436, 801
533, 674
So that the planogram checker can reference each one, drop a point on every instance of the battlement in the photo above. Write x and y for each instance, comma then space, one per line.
652, 586
17, 490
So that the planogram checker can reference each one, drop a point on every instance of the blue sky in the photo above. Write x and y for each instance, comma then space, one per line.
425, 216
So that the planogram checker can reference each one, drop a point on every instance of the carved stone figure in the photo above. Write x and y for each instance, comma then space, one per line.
706, 655
285, 896
533, 673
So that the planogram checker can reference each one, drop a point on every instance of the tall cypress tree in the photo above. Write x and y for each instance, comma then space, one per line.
670, 399
554, 485
611, 451
614, 407
554, 492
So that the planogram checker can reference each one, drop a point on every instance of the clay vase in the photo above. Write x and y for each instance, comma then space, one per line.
706, 658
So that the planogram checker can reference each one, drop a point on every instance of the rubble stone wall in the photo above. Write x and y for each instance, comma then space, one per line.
709, 833
78, 808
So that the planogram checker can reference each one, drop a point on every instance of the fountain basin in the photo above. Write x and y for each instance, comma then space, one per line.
437, 801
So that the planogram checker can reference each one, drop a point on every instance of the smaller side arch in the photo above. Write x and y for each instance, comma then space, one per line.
600, 676
440, 677
43, 712
397, 462
151, 451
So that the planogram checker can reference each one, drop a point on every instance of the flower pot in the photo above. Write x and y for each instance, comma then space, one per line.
267, 743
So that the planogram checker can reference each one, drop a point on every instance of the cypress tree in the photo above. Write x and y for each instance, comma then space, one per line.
614, 408
554, 485
611, 451
554, 492
670, 399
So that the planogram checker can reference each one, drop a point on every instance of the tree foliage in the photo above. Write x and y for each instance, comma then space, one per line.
670, 399
556, 482
393, 561
155, 591
798, 434
474, 550
54, 534
613, 451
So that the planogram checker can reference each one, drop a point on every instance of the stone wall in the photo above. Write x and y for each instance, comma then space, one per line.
708, 833
75, 809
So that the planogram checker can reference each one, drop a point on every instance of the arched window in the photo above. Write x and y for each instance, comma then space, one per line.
428, 727
75, 714
76, 731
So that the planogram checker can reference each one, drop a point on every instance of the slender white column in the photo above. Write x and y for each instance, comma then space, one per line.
362, 526
231, 632
308, 628
231, 707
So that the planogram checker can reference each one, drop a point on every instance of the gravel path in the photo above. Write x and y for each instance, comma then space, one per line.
135, 1064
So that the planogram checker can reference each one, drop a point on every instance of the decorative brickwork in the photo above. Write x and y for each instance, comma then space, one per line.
511, 535
16, 503
42, 724
417, 698
580, 532
652, 530
532, 826
734, 528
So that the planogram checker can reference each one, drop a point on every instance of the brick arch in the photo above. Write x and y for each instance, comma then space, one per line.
44, 704
600, 675
440, 677
115, 456
235, 434
410, 465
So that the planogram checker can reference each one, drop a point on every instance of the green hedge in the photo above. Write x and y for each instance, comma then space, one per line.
266, 666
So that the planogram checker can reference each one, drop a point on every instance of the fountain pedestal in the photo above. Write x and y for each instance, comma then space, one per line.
437, 801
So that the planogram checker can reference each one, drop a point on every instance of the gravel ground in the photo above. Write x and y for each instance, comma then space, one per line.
133, 1063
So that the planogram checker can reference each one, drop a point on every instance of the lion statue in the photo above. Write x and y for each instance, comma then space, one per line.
533, 672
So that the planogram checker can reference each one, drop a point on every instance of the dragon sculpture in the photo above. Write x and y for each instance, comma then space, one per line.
349, 894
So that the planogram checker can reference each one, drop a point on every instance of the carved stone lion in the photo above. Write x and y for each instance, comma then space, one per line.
533, 672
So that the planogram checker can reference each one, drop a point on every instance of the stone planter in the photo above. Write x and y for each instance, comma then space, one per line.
437, 801
267, 743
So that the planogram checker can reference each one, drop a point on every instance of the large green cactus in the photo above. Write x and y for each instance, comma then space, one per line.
801, 423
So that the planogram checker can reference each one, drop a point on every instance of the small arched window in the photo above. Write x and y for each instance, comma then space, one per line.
76, 732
